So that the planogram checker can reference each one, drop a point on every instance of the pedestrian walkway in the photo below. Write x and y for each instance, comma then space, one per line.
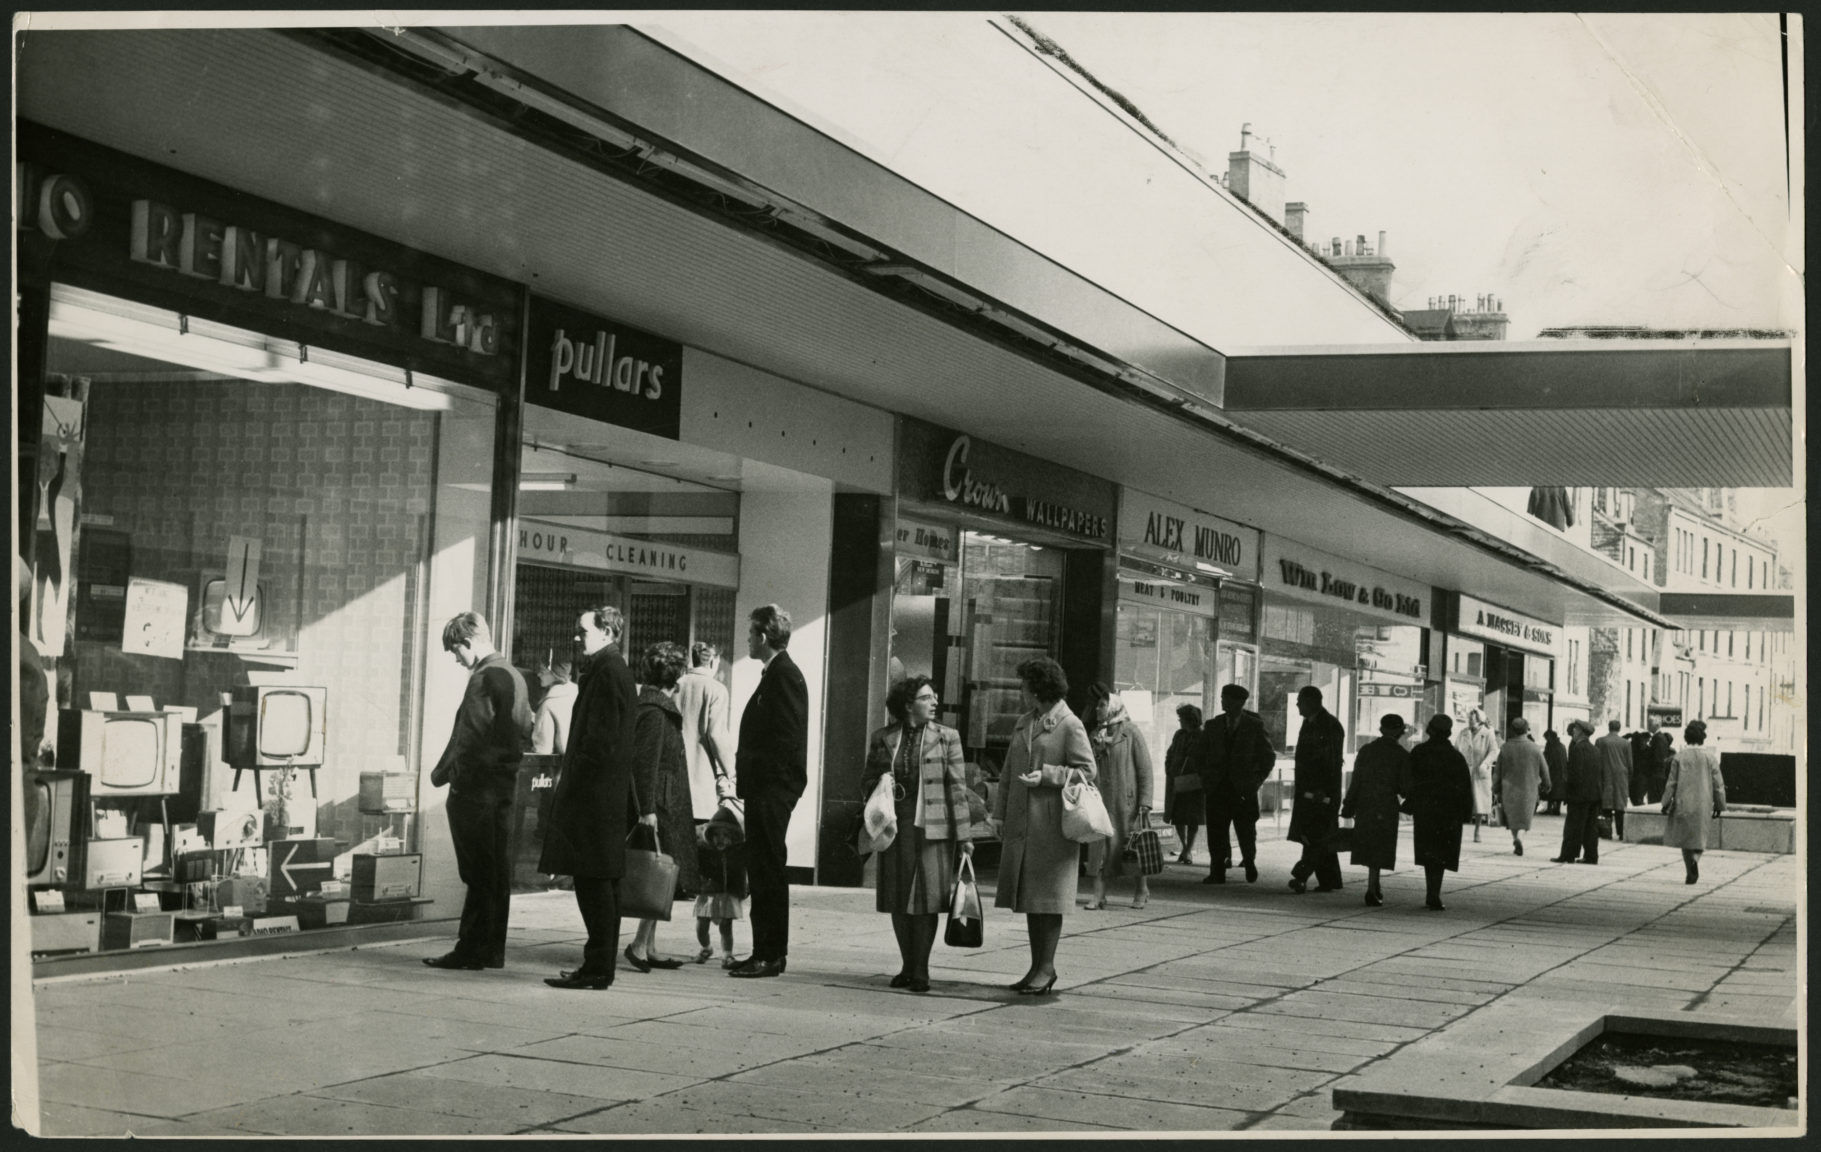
1215, 1009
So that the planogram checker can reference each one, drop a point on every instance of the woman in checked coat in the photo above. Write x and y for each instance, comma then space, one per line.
1037, 863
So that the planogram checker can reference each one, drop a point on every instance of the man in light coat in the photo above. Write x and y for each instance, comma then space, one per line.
702, 701
1615, 776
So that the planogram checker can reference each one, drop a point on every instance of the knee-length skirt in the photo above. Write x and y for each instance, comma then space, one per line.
916, 874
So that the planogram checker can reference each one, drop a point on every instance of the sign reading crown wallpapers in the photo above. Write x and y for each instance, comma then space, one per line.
602, 369
943, 467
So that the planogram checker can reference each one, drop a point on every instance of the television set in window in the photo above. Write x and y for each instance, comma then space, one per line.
54, 832
274, 725
123, 753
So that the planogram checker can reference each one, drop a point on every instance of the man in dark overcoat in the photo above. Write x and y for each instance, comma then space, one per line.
1662, 750
480, 766
1316, 815
586, 834
1381, 778
772, 769
1581, 826
1234, 757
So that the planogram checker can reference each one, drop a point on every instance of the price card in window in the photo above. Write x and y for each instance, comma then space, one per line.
231, 911
145, 902
155, 612
49, 900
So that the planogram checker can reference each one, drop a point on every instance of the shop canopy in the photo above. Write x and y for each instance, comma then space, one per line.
609, 169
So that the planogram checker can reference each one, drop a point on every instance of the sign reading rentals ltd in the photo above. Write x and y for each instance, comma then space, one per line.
602, 369
1291, 569
128, 227
1484, 621
937, 466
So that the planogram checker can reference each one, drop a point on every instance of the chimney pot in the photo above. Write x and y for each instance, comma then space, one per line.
1381, 242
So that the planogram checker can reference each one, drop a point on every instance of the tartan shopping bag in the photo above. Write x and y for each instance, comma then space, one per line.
1149, 847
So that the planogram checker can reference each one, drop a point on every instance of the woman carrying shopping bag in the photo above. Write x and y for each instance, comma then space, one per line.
1037, 863
922, 760
1124, 765
658, 765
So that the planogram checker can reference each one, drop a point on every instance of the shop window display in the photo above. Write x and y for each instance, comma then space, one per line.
248, 540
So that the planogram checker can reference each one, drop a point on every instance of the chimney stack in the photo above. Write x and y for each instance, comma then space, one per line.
1295, 213
1254, 178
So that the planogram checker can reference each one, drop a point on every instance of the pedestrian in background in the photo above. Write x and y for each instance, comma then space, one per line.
480, 766
659, 770
1235, 758
1124, 764
591, 809
702, 702
1662, 751
1523, 771
1183, 803
1555, 757
1694, 794
1381, 777
1615, 776
1479, 747
1580, 827
1037, 863
1318, 794
773, 770
550, 727
929, 785
1441, 800
1640, 766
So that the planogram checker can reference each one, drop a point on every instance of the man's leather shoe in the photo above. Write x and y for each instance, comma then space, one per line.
580, 981
1214, 878
1327, 887
1298, 886
759, 969
1251, 872
1561, 860
453, 962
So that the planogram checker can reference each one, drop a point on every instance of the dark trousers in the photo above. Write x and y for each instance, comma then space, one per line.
1581, 831
599, 900
1640, 786
1318, 829
1225, 812
480, 825
1432, 882
767, 819
1618, 822
1654, 785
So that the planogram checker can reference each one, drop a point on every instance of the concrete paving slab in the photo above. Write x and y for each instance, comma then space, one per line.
1195, 1091
1081, 1107
859, 1110
970, 1120
513, 1108
1354, 1029
691, 1063
910, 1087
680, 1033
1217, 1037
1369, 1009
279, 1114
1173, 1003
662, 1117
558, 1076
1288, 1122
140, 1093
1410, 991
75, 1120
1241, 1047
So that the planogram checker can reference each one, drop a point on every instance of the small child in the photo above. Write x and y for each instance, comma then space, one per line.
721, 867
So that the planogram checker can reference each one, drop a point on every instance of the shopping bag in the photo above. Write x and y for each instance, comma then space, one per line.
879, 819
1338, 841
1149, 847
1084, 814
649, 887
966, 924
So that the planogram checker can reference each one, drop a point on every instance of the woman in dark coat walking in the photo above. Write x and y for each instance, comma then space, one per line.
1381, 774
1441, 800
1184, 807
586, 836
659, 769
1555, 755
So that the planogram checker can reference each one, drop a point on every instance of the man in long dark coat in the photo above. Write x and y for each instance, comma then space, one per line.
772, 769
1662, 750
1581, 826
1234, 756
1318, 778
480, 766
586, 835
1381, 778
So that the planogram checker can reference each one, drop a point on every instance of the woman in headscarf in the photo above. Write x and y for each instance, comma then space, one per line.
1184, 804
1441, 800
1125, 785
1694, 796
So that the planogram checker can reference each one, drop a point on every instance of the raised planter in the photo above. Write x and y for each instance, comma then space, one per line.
1744, 828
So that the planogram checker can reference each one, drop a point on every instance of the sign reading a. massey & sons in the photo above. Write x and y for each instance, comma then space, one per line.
1178, 535
128, 227
1292, 569
1485, 621
942, 467
605, 552
602, 369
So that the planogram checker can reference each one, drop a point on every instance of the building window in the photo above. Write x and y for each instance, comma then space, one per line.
1729, 698
1748, 573
1700, 696
1729, 637
1735, 567
1704, 543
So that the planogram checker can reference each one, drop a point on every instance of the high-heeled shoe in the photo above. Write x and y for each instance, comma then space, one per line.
1034, 990
639, 962
1141, 901
1020, 985
1095, 905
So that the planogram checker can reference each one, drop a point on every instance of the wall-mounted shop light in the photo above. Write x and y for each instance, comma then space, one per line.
546, 481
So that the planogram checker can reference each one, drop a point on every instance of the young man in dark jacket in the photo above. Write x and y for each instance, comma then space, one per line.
1581, 827
480, 766
772, 770
1235, 756
1316, 816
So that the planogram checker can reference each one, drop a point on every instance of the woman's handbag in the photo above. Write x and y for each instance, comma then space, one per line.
1084, 813
1149, 847
966, 924
879, 819
1186, 782
649, 887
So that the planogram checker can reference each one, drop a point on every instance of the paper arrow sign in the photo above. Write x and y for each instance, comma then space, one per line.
242, 573
284, 868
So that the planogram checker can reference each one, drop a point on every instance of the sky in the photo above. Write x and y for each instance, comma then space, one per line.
1607, 169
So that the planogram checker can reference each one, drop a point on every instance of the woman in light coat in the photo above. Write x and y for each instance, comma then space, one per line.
1125, 785
1694, 795
917, 872
1523, 774
1479, 748
1037, 863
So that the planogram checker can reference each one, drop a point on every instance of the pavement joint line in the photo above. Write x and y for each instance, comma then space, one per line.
226, 961
1698, 1001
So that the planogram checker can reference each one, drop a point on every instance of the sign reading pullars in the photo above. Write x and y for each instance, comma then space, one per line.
603, 370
